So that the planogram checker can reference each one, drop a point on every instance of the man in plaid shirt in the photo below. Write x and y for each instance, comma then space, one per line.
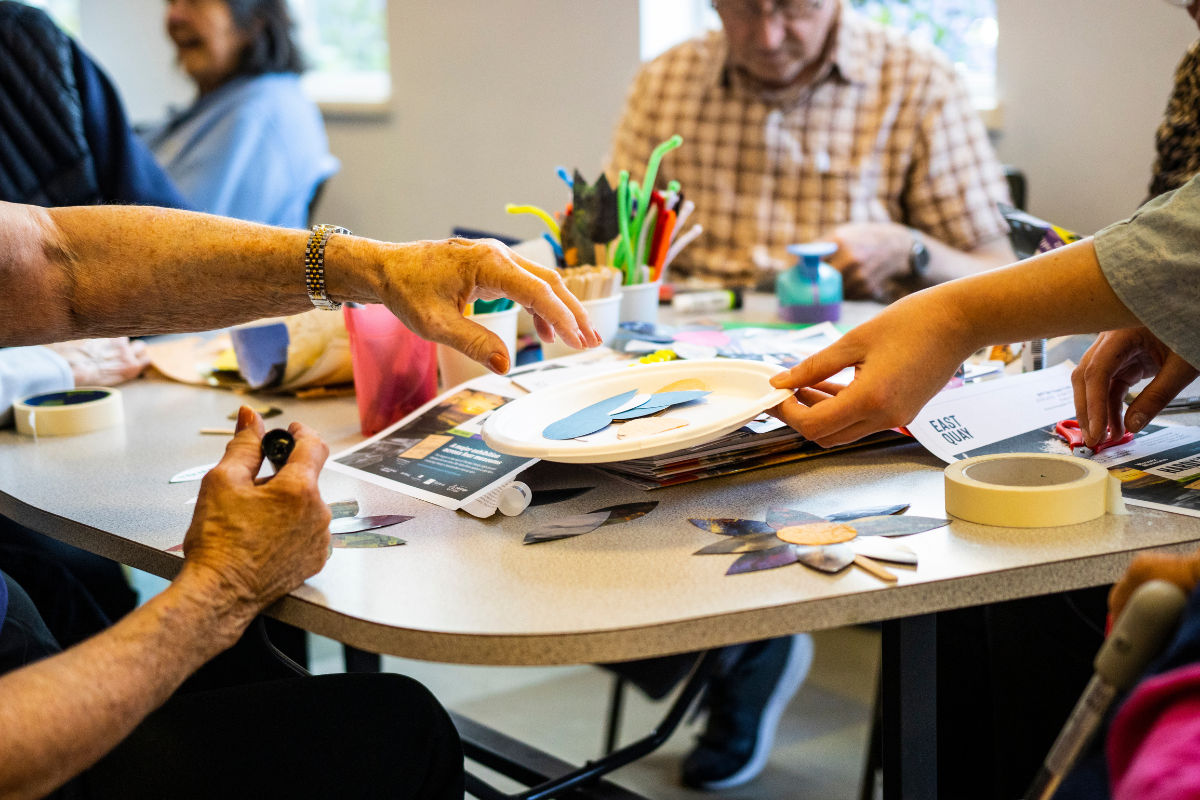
802, 120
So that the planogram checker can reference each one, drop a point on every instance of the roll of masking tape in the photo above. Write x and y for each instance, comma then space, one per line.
68, 413
1027, 490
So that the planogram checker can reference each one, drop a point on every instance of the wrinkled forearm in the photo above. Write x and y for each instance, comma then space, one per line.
100, 271
60, 715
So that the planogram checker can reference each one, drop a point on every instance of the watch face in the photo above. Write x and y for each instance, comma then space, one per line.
918, 258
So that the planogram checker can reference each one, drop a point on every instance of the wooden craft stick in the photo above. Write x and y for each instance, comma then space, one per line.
601, 255
875, 568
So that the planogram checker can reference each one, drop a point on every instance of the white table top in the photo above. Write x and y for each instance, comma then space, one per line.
466, 590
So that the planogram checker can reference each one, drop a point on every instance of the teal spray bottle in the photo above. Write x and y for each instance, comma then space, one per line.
811, 291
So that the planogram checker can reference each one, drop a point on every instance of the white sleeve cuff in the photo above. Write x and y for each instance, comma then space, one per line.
30, 370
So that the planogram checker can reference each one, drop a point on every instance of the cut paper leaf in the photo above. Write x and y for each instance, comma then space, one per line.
780, 517
781, 556
685, 385
897, 526
627, 512
705, 338
817, 533
831, 558
567, 527
741, 544
266, 412
545, 497
732, 527
874, 511
660, 402
193, 474
358, 524
361, 540
638, 400
883, 549
588, 420
649, 427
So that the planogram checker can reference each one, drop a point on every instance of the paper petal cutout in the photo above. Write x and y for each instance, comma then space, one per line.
648, 427
361, 540
780, 517
627, 512
780, 556
567, 527
897, 526
635, 402
685, 385
884, 549
830, 558
732, 527
874, 511
646, 410
193, 474
359, 524
817, 533
741, 544
588, 420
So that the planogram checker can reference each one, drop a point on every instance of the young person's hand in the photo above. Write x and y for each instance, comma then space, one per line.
1116, 361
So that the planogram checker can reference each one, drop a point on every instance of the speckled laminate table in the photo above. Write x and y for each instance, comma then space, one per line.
466, 590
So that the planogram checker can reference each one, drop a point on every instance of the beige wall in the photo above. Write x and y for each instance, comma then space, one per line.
490, 96
1084, 84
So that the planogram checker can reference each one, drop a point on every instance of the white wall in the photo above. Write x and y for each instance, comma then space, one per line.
490, 96
1084, 84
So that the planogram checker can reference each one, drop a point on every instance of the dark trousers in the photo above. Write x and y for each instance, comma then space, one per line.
1008, 676
246, 725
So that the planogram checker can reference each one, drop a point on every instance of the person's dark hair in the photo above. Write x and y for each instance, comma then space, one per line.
272, 47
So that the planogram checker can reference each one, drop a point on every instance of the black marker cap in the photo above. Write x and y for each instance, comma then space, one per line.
277, 446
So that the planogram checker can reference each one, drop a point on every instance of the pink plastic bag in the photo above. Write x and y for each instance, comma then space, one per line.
395, 371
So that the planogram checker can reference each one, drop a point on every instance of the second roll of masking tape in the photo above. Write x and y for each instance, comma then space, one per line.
1030, 490
69, 412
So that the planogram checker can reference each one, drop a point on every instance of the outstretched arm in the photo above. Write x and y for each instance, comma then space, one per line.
247, 545
906, 354
114, 270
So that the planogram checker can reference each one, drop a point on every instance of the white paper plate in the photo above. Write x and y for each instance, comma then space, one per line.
741, 390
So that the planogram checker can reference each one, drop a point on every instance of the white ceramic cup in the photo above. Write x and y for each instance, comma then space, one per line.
455, 368
640, 302
605, 315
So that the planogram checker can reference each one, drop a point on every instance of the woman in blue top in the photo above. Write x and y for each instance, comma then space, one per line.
252, 146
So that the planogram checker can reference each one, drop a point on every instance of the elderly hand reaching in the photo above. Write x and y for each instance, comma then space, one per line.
428, 284
103, 362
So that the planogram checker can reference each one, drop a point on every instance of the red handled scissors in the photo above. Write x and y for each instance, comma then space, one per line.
1069, 430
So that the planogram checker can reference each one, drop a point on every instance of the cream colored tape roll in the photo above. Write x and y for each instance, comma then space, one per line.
1026, 490
70, 412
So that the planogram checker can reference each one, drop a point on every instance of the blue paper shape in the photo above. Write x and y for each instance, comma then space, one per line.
589, 420
659, 402
261, 353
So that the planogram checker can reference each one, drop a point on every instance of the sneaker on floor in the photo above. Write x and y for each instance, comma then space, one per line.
744, 707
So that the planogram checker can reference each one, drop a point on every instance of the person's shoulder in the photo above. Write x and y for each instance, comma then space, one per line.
887, 48
272, 90
691, 59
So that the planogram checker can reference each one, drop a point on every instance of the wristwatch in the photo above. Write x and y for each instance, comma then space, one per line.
314, 266
918, 254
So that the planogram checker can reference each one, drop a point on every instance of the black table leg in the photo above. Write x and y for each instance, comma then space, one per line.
909, 684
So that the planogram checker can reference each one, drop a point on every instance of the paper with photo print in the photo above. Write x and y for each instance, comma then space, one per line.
436, 453
991, 417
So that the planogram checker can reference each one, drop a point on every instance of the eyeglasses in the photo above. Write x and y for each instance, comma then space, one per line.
792, 10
